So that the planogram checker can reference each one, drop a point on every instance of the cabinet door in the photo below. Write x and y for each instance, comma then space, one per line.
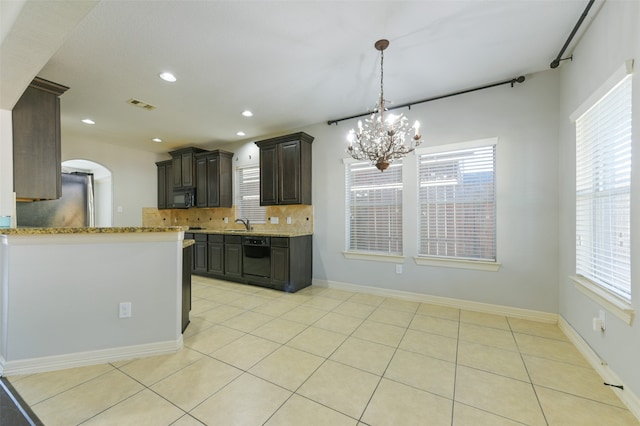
187, 169
269, 176
176, 166
36, 146
162, 186
233, 260
213, 181
215, 253
289, 172
200, 257
279, 266
201, 182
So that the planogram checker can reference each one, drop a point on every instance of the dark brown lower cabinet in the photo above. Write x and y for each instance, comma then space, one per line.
233, 256
186, 285
215, 254
200, 254
220, 256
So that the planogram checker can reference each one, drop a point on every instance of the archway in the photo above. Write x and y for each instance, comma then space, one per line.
102, 188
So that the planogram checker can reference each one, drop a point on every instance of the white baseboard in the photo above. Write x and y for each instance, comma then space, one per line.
627, 396
81, 359
469, 305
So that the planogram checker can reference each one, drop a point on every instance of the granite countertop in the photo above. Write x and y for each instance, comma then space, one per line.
121, 230
187, 243
252, 233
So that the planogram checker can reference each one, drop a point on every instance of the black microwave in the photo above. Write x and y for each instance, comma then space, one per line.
183, 198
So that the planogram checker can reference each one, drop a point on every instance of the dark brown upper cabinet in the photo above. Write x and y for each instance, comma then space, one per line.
184, 167
285, 169
214, 187
36, 142
165, 184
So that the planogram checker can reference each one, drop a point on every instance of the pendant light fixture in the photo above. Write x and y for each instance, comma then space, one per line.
382, 137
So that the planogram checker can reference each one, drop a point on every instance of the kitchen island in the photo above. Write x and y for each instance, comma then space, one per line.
80, 296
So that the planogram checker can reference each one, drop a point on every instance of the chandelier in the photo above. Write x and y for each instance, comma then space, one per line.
383, 138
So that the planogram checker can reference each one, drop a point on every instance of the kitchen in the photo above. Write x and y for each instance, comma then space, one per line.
530, 119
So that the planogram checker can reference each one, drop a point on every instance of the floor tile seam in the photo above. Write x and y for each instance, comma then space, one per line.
487, 345
72, 387
532, 334
164, 377
382, 376
121, 401
449, 398
526, 369
622, 406
252, 365
324, 405
190, 411
427, 356
438, 317
363, 319
275, 316
430, 332
486, 326
207, 353
283, 343
455, 370
487, 411
583, 366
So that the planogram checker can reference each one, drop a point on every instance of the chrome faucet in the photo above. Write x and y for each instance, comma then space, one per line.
245, 222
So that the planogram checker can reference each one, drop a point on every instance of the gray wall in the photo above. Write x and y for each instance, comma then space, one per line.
524, 119
612, 38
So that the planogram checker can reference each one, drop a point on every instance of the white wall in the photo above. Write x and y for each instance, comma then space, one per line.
612, 38
133, 171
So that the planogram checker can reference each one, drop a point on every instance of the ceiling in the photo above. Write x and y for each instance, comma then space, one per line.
293, 63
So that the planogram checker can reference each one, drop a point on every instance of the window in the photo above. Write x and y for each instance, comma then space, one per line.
248, 194
603, 188
374, 208
456, 190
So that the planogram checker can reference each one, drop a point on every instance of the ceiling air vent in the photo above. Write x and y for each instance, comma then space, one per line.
140, 104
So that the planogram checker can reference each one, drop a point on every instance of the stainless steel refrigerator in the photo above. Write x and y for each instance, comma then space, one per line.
74, 209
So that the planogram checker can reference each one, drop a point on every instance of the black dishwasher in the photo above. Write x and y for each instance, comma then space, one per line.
256, 256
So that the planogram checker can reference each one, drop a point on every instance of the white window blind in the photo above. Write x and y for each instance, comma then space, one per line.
248, 194
457, 203
374, 208
603, 188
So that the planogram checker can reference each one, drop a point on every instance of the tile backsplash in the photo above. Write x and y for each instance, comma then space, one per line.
301, 218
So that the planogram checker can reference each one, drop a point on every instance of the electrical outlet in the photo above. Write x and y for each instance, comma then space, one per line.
398, 269
125, 310
288, 220
603, 323
226, 219
274, 220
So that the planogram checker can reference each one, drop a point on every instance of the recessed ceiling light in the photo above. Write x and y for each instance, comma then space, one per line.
241, 133
88, 121
247, 113
157, 140
167, 76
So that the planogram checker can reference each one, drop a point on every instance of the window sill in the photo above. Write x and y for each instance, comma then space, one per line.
373, 256
614, 304
479, 265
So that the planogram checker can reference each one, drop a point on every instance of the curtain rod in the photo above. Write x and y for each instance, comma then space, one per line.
512, 82
556, 61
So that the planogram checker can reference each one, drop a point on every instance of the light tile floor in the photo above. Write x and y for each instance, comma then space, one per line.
322, 356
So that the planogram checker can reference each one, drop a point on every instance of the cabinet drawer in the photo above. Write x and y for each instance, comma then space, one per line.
200, 237
215, 238
279, 242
